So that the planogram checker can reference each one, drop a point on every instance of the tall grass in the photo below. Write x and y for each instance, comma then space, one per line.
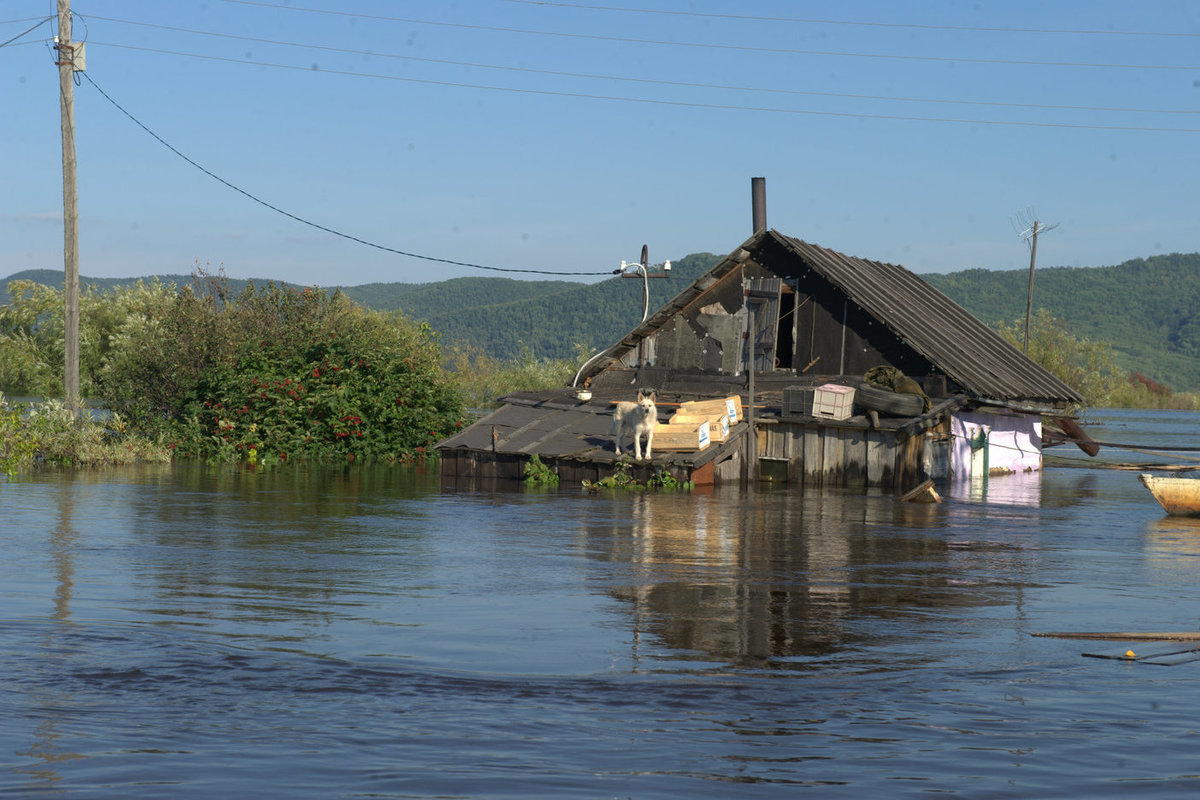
483, 380
46, 434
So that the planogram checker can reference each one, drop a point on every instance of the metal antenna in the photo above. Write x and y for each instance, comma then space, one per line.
1028, 227
640, 270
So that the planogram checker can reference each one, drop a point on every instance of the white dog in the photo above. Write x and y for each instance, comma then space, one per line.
640, 417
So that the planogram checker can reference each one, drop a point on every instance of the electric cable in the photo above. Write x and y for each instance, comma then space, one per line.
716, 46
647, 81
23, 33
807, 21
310, 223
655, 101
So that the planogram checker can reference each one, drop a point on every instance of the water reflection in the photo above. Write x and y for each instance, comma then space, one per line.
1173, 548
779, 579
46, 750
230, 547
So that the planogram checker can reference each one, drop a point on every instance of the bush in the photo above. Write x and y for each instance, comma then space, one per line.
484, 379
46, 434
31, 333
279, 373
31, 340
1088, 367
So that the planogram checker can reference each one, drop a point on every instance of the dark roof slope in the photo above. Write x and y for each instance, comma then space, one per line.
963, 347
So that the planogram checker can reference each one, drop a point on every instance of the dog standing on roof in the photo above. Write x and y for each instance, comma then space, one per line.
639, 417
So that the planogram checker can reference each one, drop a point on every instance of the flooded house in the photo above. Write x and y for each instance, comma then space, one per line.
789, 362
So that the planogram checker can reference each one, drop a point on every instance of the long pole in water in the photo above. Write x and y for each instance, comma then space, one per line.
66, 80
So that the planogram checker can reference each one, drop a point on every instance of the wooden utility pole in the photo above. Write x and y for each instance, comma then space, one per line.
1030, 233
66, 80
1029, 294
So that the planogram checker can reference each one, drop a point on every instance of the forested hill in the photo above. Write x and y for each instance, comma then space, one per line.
499, 316
1148, 309
488, 314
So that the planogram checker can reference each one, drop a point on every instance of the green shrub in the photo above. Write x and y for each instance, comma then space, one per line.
484, 379
31, 333
46, 434
538, 473
281, 373
31, 340
1087, 366
622, 479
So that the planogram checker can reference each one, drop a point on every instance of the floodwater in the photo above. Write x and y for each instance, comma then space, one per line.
186, 632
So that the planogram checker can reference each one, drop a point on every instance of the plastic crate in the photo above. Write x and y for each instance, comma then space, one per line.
798, 400
832, 401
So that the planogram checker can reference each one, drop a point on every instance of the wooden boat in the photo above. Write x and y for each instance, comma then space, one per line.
1179, 497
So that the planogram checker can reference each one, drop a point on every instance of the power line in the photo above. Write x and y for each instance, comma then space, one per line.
648, 81
714, 46
23, 33
662, 102
807, 21
311, 224
23, 19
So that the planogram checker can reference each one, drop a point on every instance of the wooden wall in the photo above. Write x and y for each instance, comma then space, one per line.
460, 464
816, 455
821, 455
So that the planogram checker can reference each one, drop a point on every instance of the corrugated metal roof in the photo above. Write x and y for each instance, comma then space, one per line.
962, 346
945, 333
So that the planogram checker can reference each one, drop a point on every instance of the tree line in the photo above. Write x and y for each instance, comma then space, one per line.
264, 375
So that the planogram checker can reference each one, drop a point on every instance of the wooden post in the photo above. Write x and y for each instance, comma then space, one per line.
66, 75
1029, 294
752, 442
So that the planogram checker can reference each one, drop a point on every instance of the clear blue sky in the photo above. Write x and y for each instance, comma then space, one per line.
562, 136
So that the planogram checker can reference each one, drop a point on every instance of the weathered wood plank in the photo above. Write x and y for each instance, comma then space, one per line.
854, 447
813, 457
875, 454
881, 468
910, 470
796, 455
832, 457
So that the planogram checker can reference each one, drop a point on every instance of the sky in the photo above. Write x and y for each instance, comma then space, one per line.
345, 142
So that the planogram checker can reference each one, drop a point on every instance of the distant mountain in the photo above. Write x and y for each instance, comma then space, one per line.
1148, 309
553, 324
51, 277
500, 316
417, 299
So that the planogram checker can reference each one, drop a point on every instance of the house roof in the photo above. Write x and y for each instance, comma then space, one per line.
553, 423
960, 345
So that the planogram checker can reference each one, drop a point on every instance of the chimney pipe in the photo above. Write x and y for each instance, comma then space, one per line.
758, 203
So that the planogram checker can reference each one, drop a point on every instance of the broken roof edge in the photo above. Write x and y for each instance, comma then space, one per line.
1026, 407
612, 354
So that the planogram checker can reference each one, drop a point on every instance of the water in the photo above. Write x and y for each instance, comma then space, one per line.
183, 632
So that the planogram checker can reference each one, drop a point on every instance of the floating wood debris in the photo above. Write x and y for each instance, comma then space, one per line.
925, 493
1166, 659
1126, 636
